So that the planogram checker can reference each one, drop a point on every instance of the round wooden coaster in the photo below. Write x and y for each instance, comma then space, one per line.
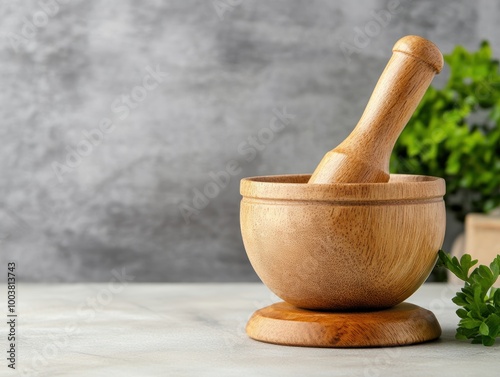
282, 323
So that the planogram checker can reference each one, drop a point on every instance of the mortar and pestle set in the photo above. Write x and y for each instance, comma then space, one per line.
346, 246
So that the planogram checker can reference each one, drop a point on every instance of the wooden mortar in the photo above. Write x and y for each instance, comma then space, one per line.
343, 247
351, 237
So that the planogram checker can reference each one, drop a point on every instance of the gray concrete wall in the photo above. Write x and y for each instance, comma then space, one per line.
72, 210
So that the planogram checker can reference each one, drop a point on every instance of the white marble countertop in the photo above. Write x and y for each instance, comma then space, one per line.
198, 330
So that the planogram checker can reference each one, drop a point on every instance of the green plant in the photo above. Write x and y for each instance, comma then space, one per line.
455, 133
479, 301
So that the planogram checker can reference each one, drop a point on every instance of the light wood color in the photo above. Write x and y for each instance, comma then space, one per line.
343, 246
284, 324
481, 241
364, 155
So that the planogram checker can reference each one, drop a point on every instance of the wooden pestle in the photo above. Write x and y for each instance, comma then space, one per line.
363, 157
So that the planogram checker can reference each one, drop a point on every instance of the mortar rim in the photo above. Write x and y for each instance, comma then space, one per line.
294, 187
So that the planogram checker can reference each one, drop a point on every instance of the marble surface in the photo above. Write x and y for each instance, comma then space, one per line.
180, 330
229, 64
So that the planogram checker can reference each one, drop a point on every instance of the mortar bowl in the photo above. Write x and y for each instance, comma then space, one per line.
342, 247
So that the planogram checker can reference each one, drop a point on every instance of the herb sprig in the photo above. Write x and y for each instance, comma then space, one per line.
479, 301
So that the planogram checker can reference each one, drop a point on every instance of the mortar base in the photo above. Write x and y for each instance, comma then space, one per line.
284, 324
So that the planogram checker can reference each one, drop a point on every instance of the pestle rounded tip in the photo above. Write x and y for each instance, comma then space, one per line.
422, 49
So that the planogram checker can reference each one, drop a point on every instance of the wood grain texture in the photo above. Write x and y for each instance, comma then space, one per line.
284, 324
342, 246
364, 155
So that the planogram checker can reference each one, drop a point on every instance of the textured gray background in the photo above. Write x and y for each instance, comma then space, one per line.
226, 73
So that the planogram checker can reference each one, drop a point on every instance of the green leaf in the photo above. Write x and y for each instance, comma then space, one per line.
470, 323
492, 293
466, 263
479, 301
462, 313
496, 298
454, 265
463, 333
493, 323
477, 340
488, 341
484, 329
495, 266
459, 300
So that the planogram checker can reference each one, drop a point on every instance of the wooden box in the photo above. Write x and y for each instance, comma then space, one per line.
481, 241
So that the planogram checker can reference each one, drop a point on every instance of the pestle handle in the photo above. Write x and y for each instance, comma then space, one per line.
364, 155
